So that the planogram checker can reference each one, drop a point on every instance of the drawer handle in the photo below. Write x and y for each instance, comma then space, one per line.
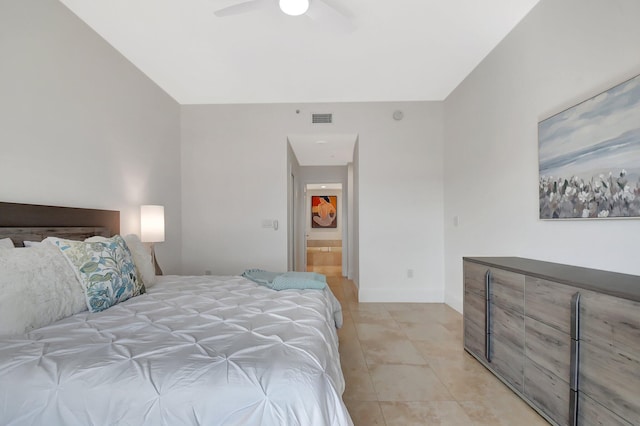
487, 315
575, 359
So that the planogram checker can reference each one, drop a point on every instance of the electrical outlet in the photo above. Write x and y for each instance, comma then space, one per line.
207, 272
409, 273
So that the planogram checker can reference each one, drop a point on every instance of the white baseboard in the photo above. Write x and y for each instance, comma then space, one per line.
454, 302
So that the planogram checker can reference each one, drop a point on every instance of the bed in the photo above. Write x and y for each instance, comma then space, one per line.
197, 350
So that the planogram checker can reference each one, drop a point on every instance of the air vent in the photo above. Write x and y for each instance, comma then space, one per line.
322, 118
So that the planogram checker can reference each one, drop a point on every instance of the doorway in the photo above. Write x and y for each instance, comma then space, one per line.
312, 160
324, 228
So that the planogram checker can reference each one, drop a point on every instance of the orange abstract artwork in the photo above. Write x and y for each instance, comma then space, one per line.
324, 211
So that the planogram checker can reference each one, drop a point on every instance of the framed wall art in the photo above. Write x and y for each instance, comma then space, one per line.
324, 211
589, 157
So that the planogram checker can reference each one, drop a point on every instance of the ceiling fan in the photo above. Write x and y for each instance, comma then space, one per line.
318, 10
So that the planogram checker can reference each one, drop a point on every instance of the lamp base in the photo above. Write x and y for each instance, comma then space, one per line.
155, 261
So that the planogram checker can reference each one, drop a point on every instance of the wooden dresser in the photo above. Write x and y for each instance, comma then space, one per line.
566, 339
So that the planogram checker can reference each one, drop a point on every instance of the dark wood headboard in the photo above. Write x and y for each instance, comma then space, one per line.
32, 222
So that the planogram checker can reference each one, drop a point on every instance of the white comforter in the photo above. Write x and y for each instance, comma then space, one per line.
192, 351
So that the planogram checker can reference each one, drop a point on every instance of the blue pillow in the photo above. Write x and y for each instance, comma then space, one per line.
299, 280
105, 270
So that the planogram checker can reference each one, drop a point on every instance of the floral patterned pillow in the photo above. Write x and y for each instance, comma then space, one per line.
105, 269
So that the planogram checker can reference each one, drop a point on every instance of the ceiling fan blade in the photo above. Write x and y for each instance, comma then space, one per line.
321, 11
240, 8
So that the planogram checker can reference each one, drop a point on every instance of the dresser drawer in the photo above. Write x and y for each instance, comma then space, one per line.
548, 347
547, 369
507, 326
610, 320
508, 362
549, 302
547, 391
474, 277
611, 376
591, 413
507, 290
507, 345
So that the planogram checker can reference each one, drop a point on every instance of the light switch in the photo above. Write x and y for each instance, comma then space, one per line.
270, 223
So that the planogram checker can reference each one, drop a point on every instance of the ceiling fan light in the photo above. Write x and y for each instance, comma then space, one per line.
294, 7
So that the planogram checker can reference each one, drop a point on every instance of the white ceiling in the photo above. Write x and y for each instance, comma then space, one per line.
400, 50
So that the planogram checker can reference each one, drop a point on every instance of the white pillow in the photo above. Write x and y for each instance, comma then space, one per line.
37, 287
6, 243
141, 257
31, 243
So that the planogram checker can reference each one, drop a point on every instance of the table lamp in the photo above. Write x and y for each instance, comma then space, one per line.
152, 229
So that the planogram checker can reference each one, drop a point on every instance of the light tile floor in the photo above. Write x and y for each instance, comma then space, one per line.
404, 365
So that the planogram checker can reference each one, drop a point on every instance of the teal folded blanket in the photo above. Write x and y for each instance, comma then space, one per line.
287, 280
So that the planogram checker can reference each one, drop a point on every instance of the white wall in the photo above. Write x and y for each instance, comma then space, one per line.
81, 126
354, 222
562, 53
295, 225
234, 163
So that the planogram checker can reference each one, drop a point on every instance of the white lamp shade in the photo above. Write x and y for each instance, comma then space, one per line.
152, 224
294, 7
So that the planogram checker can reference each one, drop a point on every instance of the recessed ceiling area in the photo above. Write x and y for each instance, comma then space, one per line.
396, 50
323, 149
